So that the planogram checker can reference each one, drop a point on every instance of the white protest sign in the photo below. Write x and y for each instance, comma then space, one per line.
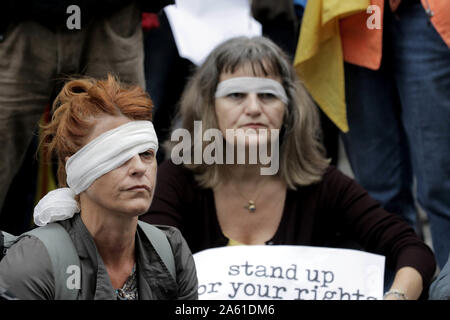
289, 273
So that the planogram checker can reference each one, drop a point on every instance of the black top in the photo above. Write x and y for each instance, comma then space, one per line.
52, 13
324, 214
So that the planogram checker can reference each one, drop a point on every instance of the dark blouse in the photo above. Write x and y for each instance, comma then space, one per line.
330, 213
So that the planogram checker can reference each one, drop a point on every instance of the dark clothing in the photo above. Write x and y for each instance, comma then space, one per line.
166, 75
53, 13
324, 214
279, 23
26, 271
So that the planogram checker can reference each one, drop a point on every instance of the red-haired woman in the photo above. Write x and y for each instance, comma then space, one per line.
106, 145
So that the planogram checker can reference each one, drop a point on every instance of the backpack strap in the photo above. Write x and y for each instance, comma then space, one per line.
6, 238
162, 246
63, 256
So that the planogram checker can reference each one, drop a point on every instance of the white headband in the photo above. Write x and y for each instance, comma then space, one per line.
103, 154
251, 84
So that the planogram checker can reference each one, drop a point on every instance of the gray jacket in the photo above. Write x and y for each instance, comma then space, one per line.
440, 288
26, 271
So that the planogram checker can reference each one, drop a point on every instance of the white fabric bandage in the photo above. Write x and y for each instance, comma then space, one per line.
103, 154
251, 84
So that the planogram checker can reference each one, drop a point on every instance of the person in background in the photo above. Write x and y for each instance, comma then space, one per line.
249, 84
166, 73
398, 114
106, 146
42, 42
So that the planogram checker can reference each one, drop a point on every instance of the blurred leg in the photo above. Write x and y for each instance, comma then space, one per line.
375, 144
115, 45
27, 65
422, 68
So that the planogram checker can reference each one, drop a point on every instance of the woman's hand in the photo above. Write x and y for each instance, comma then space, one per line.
407, 285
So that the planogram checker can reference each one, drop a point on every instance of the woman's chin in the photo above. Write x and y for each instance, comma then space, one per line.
137, 208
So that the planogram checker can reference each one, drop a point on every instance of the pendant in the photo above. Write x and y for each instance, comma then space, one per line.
251, 206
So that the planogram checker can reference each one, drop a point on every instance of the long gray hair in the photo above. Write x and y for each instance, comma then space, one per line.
302, 155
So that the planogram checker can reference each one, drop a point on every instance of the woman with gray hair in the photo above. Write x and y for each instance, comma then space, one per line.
246, 96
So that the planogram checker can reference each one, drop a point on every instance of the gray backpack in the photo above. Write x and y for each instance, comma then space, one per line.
64, 257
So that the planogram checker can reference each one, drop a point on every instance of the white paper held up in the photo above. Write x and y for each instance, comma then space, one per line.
198, 26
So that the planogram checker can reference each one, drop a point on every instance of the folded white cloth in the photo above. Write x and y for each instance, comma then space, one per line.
59, 204
251, 84
103, 154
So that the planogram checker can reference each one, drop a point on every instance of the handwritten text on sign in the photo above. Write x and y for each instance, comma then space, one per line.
289, 273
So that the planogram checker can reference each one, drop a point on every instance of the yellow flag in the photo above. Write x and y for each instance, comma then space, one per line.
319, 59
